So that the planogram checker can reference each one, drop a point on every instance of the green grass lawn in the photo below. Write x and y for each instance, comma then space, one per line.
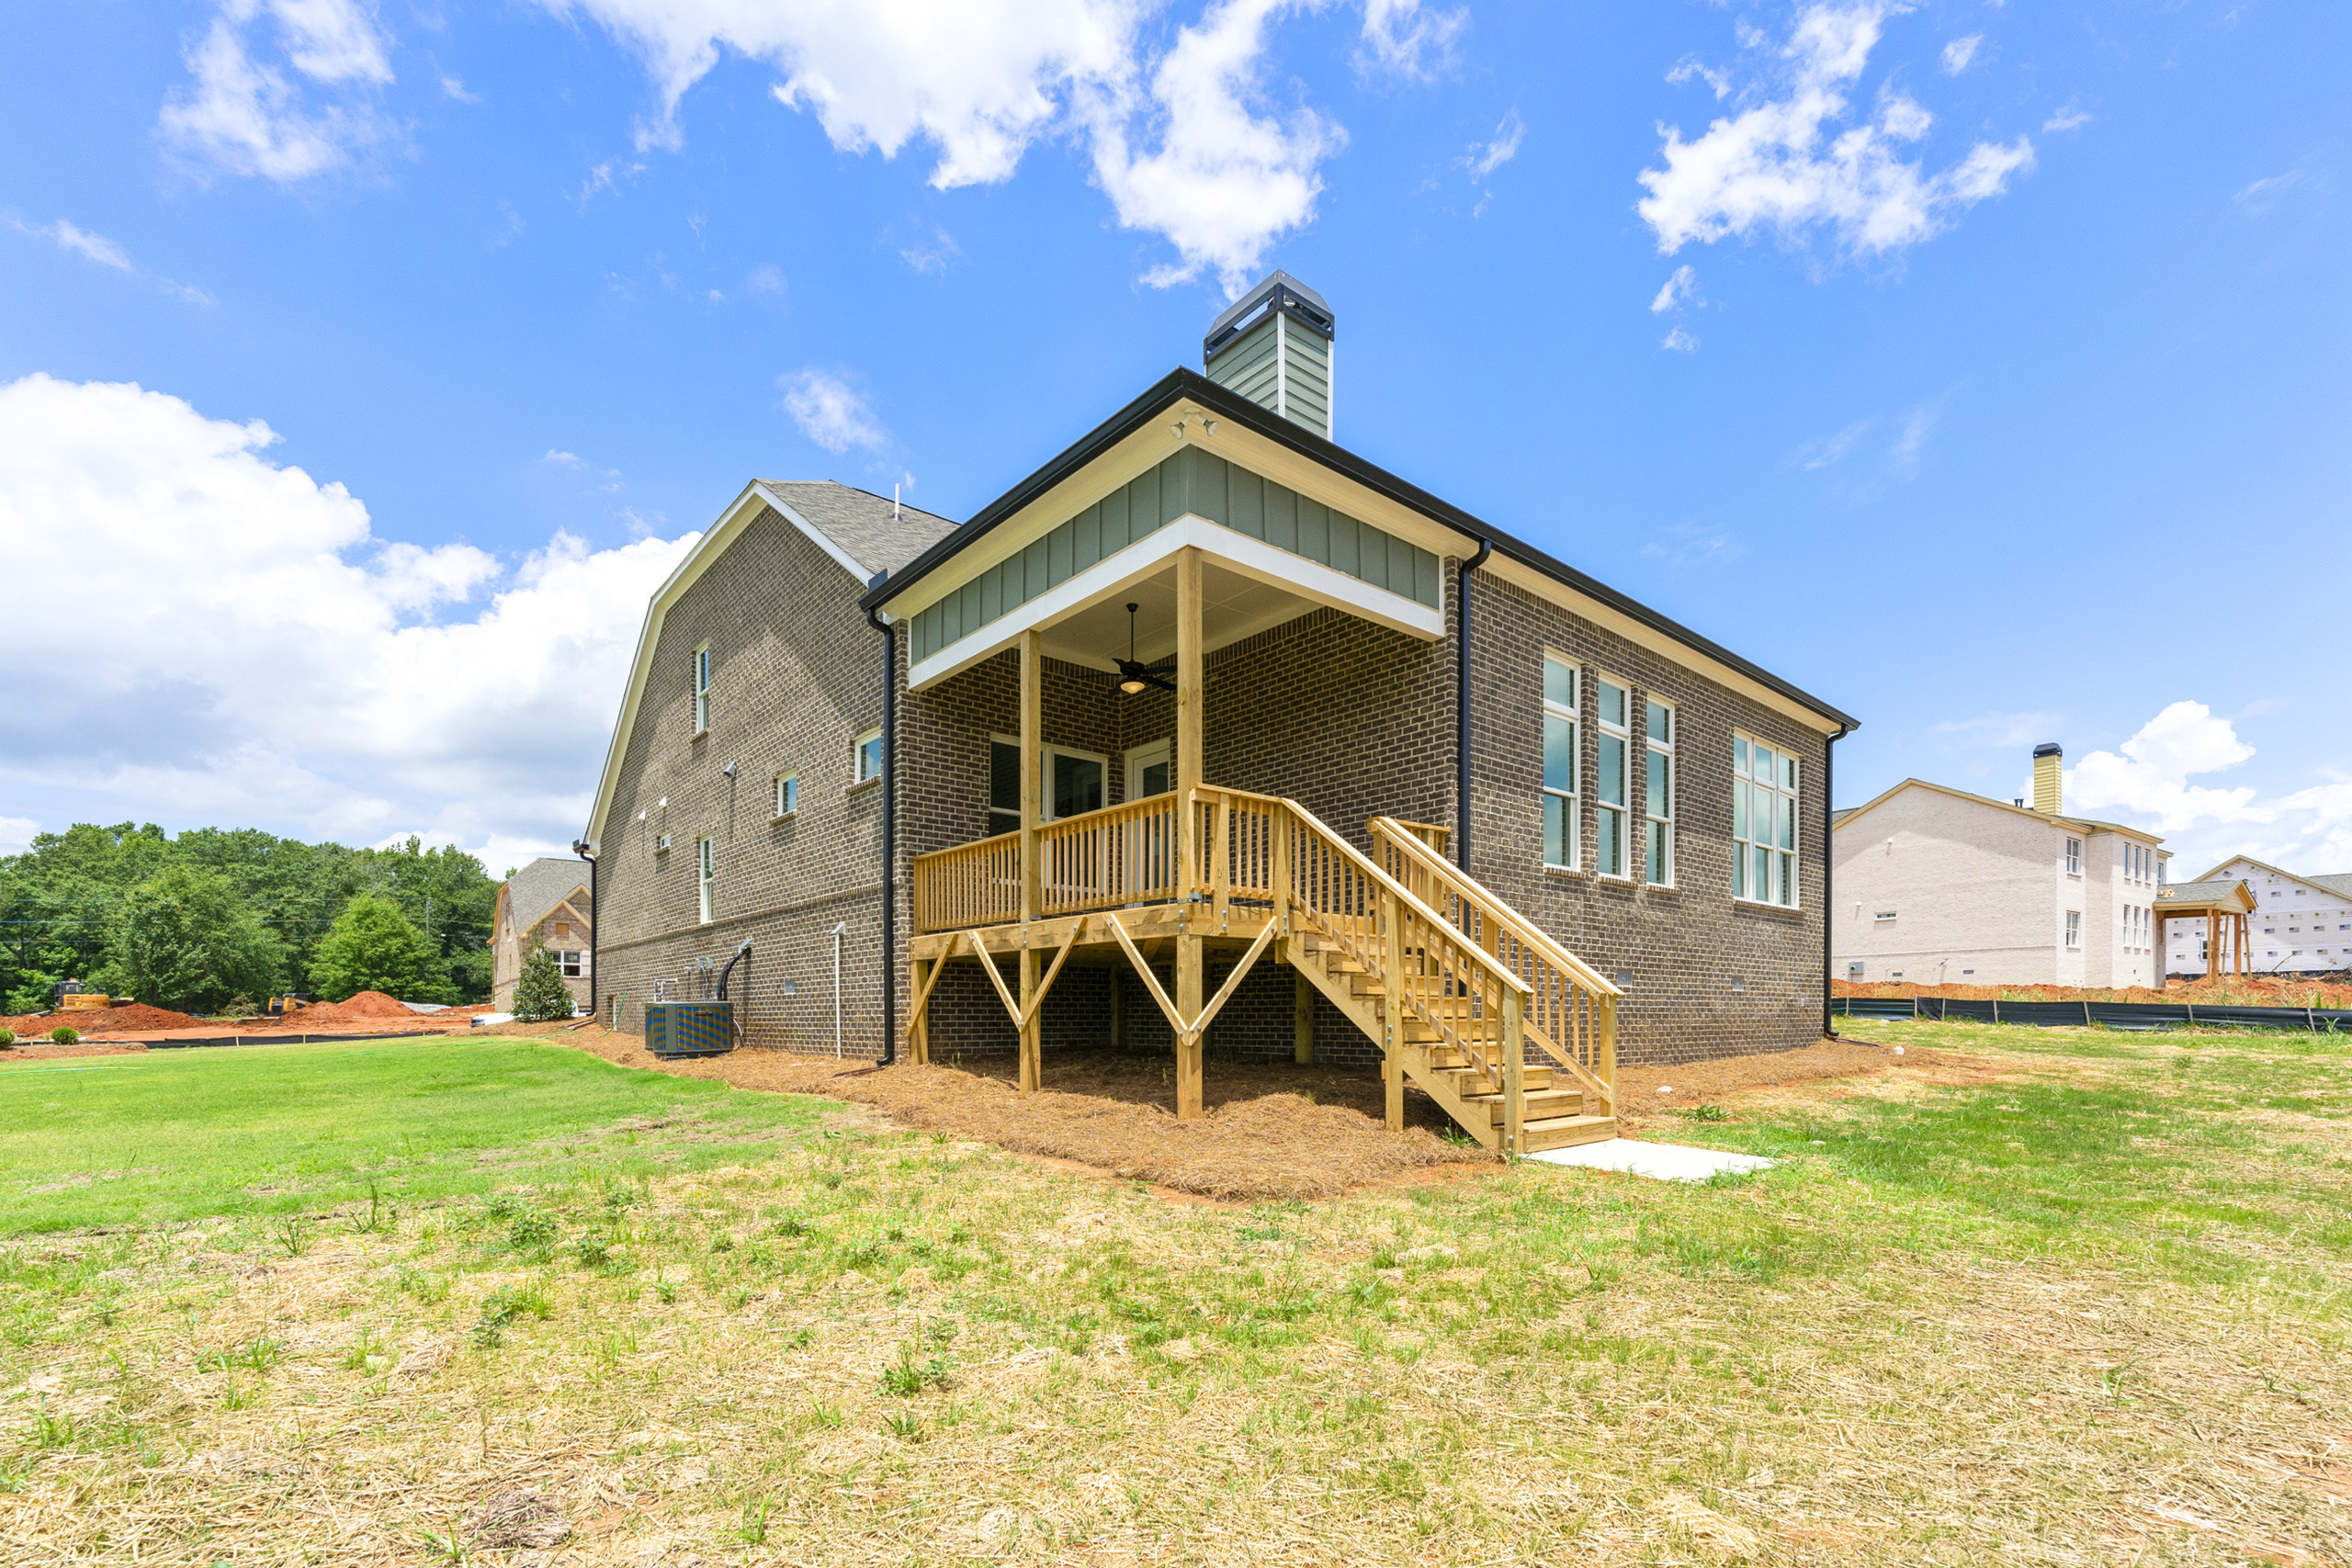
2085, 1305
172, 1135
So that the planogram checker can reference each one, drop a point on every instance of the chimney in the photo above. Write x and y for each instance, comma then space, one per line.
2049, 788
1273, 347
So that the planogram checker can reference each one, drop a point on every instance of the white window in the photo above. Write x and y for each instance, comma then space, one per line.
570, 962
787, 794
1609, 764
2073, 928
2074, 857
1763, 823
702, 688
1561, 839
868, 762
1657, 802
708, 865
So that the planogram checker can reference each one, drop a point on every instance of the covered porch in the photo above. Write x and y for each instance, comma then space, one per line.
1157, 872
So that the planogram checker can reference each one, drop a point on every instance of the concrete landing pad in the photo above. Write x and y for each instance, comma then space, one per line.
1668, 1162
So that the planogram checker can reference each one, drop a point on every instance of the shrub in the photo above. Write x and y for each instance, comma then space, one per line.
65, 1035
541, 994
373, 947
8, 1038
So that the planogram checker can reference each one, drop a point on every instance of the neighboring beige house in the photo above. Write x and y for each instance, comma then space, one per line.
1939, 886
543, 904
2301, 924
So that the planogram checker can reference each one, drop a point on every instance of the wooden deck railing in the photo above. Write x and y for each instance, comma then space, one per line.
1102, 860
1571, 1010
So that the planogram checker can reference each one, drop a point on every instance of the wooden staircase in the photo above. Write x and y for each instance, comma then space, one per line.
1454, 985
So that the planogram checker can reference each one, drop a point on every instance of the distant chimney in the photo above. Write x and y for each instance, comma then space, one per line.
1274, 347
2049, 788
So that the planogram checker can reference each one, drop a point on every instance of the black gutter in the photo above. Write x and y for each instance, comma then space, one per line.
1182, 383
1828, 873
588, 852
889, 821
1461, 709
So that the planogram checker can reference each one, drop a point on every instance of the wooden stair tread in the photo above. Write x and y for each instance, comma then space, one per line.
1566, 1132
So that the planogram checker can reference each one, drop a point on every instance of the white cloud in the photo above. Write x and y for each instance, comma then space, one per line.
76, 241
765, 278
1225, 181
453, 87
2149, 779
1404, 40
261, 656
1680, 341
1797, 160
1484, 157
2263, 194
1960, 52
17, 834
1688, 69
2068, 118
933, 255
245, 117
1179, 139
1682, 287
1829, 449
830, 413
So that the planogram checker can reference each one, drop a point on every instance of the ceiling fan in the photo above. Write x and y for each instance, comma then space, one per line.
1132, 676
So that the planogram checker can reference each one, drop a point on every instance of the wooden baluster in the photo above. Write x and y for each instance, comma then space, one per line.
1514, 1050
1221, 865
1392, 978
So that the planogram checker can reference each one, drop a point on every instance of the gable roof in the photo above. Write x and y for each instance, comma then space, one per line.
862, 533
2082, 824
540, 886
2336, 882
1181, 385
2229, 892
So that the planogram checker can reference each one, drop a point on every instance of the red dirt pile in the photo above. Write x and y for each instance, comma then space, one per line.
103, 1020
2225, 990
367, 1007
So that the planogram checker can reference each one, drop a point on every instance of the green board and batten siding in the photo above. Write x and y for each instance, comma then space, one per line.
1206, 486
1252, 367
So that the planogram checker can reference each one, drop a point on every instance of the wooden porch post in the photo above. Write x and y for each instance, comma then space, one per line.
1033, 656
1302, 1019
918, 1048
1188, 662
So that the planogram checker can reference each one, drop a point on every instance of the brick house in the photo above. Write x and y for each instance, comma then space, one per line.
545, 904
1172, 754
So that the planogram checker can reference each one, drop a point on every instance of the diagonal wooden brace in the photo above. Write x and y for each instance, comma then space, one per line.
1189, 1033
1038, 1000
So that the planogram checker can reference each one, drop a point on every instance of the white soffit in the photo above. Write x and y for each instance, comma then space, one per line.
1236, 552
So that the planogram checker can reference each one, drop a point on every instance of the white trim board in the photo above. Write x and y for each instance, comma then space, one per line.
1235, 551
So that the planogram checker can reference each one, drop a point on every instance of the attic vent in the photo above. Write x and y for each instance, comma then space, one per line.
1274, 347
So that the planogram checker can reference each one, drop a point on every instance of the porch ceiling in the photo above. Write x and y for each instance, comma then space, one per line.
1232, 607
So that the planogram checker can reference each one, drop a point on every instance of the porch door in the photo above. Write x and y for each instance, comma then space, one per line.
1150, 840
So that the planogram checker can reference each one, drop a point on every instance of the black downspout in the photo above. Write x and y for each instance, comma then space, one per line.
588, 852
889, 829
1829, 873
1462, 708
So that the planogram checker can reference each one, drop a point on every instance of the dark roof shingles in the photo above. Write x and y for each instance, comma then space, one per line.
861, 524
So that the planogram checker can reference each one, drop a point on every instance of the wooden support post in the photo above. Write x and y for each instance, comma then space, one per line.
1392, 1012
1032, 790
1118, 1010
918, 1048
1302, 1019
1032, 1023
1189, 664
1514, 1049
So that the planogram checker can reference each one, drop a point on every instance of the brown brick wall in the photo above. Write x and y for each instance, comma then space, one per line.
1685, 946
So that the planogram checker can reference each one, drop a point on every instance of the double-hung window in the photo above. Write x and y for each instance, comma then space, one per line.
1609, 764
1560, 836
702, 689
787, 794
569, 961
2073, 928
869, 757
1657, 802
705, 862
1763, 823
2074, 857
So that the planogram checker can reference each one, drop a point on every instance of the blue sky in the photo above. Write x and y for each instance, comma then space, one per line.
1984, 369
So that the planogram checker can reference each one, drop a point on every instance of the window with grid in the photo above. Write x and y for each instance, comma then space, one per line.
1610, 763
1560, 721
702, 689
570, 962
2073, 928
787, 794
1657, 802
2074, 857
706, 864
1763, 823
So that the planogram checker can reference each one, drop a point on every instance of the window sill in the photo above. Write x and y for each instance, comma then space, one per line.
863, 783
1577, 872
1761, 908
1668, 888
784, 816
702, 734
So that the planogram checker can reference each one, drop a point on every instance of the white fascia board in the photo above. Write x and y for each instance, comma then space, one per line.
1553, 591
739, 515
1236, 552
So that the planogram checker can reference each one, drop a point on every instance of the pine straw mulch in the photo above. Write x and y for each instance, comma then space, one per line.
1262, 1138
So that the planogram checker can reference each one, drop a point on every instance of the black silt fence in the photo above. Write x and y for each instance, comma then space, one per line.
2080, 1015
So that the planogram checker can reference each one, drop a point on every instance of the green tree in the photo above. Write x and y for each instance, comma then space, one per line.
185, 940
373, 947
540, 993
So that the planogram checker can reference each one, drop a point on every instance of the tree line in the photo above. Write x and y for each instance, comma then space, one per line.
219, 916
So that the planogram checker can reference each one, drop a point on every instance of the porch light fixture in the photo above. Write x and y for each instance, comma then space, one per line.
1132, 676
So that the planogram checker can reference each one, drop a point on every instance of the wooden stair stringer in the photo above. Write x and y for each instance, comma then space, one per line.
1474, 1120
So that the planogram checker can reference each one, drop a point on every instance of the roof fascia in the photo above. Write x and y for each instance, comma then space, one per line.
738, 516
2078, 824
1182, 383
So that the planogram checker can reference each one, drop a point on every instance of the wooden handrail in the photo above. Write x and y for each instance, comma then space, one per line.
1469, 888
